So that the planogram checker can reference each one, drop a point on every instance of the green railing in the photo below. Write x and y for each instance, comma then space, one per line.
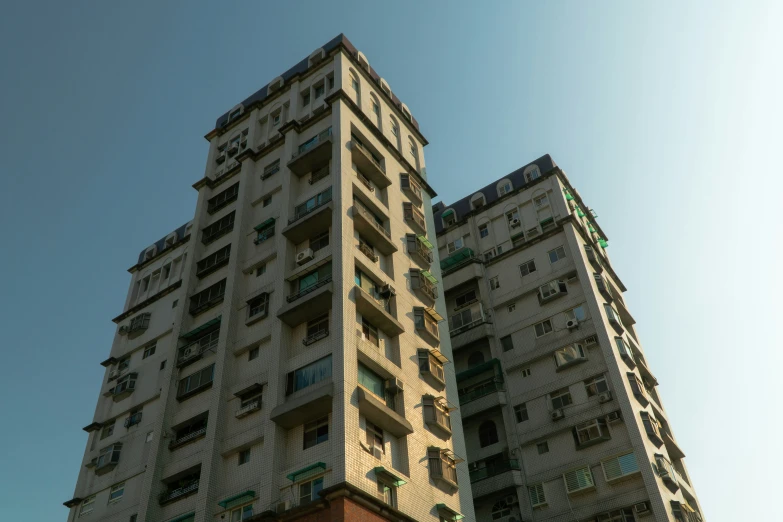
496, 467
480, 390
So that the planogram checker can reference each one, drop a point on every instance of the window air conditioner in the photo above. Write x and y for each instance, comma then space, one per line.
189, 352
304, 256
124, 330
557, 414
114, 374
387, 291
511, 500
514, 223
641, 508
613, 416
395, 385
605, 397
572, 323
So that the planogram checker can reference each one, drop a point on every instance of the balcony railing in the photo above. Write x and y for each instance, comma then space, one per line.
367, 250
317, 336
428, 289
309, 289
495, 468
442, 468
365, 182
248, 408
424, 253
367, 153
442, 418
369, 217
312, 142
192, 351
174, 494
429, 326
412, 215
322, 199
481, 390
193, 435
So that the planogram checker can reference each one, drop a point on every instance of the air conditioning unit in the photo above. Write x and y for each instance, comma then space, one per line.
572, 323
605, 397
387, 291
514, 223
305, 256
114, 374
591, 340
395, 385
641, 508
220, 158
124, 330
557, 414
511, 500
282, 507
189, 352
613, 417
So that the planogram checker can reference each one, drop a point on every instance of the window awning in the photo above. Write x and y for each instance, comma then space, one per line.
183, 517
448, 513
603, 243
447, 213
521, 234
95, 426
108, 362
590, 228
429, 277
268, 222
383, 472
425, 241
455, 258
201, 328
75, 501
233, 500
434, 314
311, 469
439, 356
568, 195
445, 404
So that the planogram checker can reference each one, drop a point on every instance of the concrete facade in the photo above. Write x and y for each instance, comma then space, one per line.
299, 367
561, 414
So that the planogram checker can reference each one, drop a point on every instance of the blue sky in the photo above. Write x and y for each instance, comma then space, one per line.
664, 115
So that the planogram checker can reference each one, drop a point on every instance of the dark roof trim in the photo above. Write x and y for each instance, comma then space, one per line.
166, 291
75, 501
161, 244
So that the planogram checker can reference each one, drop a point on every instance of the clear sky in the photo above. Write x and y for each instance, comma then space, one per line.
665, 116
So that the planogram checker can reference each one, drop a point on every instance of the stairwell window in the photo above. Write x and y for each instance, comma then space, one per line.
560, 398
315, 433
520, 412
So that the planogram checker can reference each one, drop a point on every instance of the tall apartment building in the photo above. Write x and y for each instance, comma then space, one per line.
561, 414
282, 356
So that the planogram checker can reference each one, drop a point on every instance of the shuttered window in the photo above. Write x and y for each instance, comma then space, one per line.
621, 466
536, 493
578, 480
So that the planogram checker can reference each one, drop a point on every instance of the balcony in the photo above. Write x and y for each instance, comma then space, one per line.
498, 474
376, 411
369, 165
425, 285
311, 218
312, 154
460, 267
309, 302
414, 218
468, 326
483, 397
378, 311
368, 251
194, 351
188, 438
248, 408
305, 405
376, 233
180, 492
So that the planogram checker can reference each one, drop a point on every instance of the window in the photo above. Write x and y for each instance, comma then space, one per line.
505, 188
149, 350
394, 128
483, 230
213, 261
591, 431
162, 364
150, 436
527, 267
596, 385
305, 99
133, 419
413, 149
533, 174
370, 332
542, 447
319, 90
466, 298
556, 254
513, 219
512, 307
331, 82
196, 382
494, 283
116, 492
569, 354
218, 229
547, 224
175, 303
316, 432
507, 343
88, 504
387, 493
448, 219
258, 306
371, 380
140, 322
207, 297
488, 434
520, 412
317, 328
455, 245
240, 513
500, 509
576, 314
428, 363
276, 119
107, 431
541, 201
309, 375
319, 241
652, 427
314, 202
355, 84
224, 198
543, 328
235, 114
267, 201
375, 437
578, 480
253, 353
244, 457
526, 372
612, 314
475, 359
552, 289
109, 456
536, 494
308, 491
133, 518
621, 466
272, 168
560, 398
261, 270
376, 109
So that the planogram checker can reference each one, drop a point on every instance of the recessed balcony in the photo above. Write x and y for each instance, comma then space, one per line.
311, 218
376, 411
377, 310
460, 267
309, 302
369, 166
303, 406
495, 474
489, 395
312, 154
367, 226
186, 489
